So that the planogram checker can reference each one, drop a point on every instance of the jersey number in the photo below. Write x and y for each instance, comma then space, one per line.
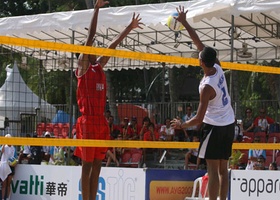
224, 98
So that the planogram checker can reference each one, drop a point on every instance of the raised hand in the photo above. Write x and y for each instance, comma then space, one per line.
135, 22
181, 14
100, 3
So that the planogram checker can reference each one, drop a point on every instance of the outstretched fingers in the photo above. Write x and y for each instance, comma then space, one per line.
136, 21
181, 13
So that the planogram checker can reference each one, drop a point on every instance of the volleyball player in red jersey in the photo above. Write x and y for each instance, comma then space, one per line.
91, 99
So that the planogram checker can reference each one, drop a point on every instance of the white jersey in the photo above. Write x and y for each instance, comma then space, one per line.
219, 111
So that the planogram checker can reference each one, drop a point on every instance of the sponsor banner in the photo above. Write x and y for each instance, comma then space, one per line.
170, 184
255, 185
33, 182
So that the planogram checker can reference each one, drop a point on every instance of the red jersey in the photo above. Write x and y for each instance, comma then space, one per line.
91, 91
148, 136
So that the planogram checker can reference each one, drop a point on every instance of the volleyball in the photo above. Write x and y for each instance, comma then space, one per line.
174, 24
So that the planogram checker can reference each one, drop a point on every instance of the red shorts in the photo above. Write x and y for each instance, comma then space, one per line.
92, 127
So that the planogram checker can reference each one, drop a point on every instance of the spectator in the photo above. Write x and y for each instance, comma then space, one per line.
192, 129
107, 114
151, 134
57, 155
25, 153
247, 124
36, 154
114, 154
124, 128
166, 131
134, 129
260, 164
192, 156
145, 123
7, 168
273, 166
254, 154
238, 133
46, 150
114, 129
262, 122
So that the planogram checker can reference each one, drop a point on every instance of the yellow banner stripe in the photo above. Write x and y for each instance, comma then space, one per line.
128, 54
126, 143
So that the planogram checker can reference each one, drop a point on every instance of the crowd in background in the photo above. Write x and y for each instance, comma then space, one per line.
249, 129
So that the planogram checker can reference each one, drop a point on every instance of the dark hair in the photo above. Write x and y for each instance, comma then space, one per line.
189, 106
146, 119
261, 157
208, 56
168, 118
248, 109
274, 165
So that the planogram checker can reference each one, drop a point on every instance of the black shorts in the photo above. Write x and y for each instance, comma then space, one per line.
216, 142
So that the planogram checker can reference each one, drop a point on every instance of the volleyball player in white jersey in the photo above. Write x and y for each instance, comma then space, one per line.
216, 114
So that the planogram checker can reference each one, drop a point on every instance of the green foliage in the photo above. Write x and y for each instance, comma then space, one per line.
235, 158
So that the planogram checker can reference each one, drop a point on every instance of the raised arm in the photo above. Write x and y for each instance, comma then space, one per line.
85, 59
135, 23
196, 40
182, 18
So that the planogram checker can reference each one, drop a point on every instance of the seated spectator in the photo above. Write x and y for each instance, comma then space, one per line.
166, 131
192, 130
262, 121
247, 124
238, 133
260, 164
145, 123
254, 154
151, 134
36, 154
134, 129
180, 134
124, 128
192, 156
273, 166
46, 150
107, 114
114, 129
25, 153
114, 153
57, 156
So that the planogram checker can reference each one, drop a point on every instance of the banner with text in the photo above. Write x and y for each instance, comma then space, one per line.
255, 185
33, 182
170, 184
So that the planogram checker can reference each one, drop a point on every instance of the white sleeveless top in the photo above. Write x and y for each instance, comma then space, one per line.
219, 111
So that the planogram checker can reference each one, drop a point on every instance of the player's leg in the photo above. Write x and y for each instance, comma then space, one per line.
94, 177
8, 186
85, 179
213, 181
4, 184
224, 179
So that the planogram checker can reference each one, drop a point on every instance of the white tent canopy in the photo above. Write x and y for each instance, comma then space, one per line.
256, 24
17, 98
